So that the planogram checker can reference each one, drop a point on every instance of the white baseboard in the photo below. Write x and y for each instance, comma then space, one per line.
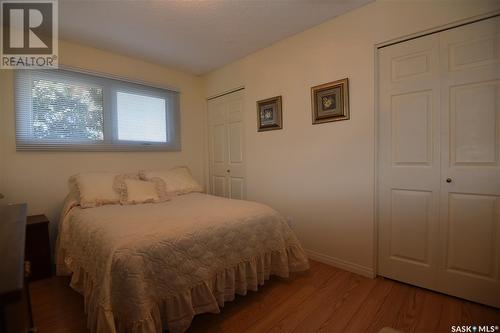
340, 263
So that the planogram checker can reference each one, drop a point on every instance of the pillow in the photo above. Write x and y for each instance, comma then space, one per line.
136, 191
95, 188
176, 181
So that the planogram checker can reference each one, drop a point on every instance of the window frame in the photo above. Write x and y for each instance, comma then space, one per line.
110, 86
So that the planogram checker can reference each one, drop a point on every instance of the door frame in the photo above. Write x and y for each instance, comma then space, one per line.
207, 133
376, 47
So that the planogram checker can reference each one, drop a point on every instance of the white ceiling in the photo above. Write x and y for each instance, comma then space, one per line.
192, 35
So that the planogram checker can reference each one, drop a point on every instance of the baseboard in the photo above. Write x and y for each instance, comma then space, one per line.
340, 263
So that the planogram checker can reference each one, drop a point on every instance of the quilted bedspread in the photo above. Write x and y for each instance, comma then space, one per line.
149, 267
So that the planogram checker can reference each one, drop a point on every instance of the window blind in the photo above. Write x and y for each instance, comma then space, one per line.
67, 110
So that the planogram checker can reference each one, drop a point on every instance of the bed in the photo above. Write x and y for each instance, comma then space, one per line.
149, 267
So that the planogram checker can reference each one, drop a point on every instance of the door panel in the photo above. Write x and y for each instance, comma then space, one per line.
470, 115
412, 128
474, 123
237, 187
234, 107
480, 51
226, 146
219, 143
472, 218
409, 161
414, 64
217, 147
235, 148
235, 132
410, 221
219, 186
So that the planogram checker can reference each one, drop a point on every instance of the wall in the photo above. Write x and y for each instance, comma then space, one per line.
322, 176
39, 178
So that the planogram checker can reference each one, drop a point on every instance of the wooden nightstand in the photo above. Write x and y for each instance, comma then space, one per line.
37, 250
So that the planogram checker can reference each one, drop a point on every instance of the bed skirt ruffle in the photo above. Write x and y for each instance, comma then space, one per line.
176, 312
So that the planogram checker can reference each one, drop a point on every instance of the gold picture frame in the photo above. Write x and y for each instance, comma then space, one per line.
330, 102
269, 114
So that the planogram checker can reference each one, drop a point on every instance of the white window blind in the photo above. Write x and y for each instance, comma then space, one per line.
67, 110
136, 112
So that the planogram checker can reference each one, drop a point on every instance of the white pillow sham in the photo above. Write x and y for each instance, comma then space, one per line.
140, 191
176, 181
137, 191
95, 188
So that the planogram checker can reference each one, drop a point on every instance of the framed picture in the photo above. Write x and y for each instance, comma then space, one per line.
330, 101
269, 116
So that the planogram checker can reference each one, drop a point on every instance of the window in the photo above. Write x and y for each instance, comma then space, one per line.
131, 120
66, 110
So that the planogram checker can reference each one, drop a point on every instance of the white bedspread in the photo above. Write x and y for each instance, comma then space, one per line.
146, 267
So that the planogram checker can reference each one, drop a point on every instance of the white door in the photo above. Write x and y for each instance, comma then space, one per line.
470, 135
226, 146
409, 160
439, 171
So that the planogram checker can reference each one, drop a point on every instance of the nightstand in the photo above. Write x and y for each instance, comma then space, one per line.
37, 250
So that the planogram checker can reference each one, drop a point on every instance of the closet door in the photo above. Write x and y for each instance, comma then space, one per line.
217, 137
409, 161
439, 162
470, 177
226, 146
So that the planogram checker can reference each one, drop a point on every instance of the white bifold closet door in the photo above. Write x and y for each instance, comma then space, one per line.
439, 161
226, 146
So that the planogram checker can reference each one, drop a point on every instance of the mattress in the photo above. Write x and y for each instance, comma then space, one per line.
148, 267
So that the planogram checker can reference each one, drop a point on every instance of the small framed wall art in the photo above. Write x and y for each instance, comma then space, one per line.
269, 114
330, 101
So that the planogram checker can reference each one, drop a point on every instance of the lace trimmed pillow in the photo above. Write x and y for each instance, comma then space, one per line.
136, 191
175, 181
94, 188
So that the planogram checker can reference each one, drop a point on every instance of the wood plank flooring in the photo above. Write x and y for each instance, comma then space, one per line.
325, 299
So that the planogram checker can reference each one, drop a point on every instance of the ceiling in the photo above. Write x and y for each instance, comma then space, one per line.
192, 35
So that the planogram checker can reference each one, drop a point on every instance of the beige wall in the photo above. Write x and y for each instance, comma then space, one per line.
39, 178
322, 176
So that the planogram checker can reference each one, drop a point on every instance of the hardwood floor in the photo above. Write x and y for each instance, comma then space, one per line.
325, 299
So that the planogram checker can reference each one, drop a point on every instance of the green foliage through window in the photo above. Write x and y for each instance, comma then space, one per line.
66, 111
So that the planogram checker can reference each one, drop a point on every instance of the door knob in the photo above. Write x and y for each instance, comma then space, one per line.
228, 170
448, 180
